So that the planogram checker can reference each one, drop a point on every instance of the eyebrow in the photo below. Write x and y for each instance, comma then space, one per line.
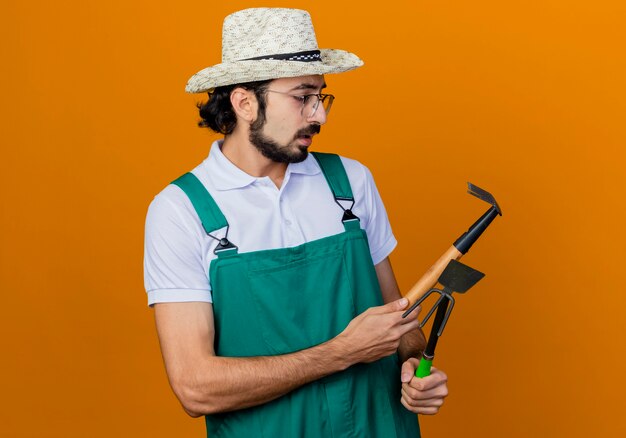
307, 86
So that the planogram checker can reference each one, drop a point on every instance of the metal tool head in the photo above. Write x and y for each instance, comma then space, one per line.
458, 277
483, 195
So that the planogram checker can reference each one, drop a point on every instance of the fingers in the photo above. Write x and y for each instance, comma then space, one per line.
392, 313
408, 369
431, 398
393, 306
414, 312
394, 310
436, 379
401, 325
413, 315
422, 395
377, 332
397, 307
430, 407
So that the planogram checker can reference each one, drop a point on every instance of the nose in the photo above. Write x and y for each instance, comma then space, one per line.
319, 116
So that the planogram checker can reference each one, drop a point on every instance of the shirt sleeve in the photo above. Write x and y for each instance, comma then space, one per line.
370, 209
174, 263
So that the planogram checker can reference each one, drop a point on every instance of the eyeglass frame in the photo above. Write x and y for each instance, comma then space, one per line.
303, 98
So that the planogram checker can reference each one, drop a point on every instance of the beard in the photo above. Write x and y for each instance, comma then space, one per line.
280, 153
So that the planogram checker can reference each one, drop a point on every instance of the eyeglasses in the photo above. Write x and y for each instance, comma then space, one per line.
310, 102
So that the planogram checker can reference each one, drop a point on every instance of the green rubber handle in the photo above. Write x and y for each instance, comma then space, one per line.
423, 369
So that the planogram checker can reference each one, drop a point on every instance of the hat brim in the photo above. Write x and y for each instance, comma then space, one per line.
239, 72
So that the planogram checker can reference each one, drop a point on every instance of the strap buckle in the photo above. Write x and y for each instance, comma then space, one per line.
347, 212
349, 216
224, 245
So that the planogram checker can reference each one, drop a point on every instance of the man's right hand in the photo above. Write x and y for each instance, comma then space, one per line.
376, 333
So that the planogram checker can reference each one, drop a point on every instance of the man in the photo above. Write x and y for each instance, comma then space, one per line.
277, 309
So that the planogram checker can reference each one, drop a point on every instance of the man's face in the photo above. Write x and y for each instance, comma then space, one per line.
285, 133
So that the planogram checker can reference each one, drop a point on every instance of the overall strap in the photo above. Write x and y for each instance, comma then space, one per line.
337, 179
210, 214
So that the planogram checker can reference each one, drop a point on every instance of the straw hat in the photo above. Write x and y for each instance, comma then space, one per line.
269, 43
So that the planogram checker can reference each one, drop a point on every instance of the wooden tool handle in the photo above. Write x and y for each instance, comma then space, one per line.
429, 279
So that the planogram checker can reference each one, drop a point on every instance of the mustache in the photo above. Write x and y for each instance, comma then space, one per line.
309, 130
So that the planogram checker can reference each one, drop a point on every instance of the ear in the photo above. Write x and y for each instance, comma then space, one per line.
244, 104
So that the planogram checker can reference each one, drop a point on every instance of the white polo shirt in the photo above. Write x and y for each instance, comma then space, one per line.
178, 251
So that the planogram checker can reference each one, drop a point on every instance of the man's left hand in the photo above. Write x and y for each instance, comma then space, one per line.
422, 395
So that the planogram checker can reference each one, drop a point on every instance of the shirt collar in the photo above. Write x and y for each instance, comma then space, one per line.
226, 176
307, 167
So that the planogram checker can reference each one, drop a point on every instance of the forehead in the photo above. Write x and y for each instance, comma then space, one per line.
312, 82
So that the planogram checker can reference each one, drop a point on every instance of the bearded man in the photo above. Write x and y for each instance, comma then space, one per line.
276, 306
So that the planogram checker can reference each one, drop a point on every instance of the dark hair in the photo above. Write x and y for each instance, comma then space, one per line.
217, 113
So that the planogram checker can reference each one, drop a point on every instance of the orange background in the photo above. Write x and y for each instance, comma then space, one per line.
523, 98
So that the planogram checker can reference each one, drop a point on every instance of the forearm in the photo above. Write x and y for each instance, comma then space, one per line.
206, 383
221, 384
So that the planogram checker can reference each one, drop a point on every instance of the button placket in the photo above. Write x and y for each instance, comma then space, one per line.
285, 212
291, 231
